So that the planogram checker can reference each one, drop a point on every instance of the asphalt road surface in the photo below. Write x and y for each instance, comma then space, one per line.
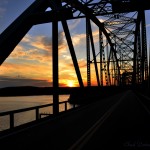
118, 122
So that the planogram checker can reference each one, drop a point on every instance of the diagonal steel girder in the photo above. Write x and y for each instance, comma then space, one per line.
34, 14
73, 55
23, 23
12, 35
57, 7
88, 12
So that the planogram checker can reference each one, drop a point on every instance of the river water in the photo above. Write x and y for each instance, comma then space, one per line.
19, 102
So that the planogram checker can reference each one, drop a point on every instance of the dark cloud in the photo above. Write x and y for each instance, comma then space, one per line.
60, 38
14, 82
2, 12
11, 82
47, 41
81, 63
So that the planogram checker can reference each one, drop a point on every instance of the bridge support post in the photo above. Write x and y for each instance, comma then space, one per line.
144, 66
93, 50
88, 53
55, 65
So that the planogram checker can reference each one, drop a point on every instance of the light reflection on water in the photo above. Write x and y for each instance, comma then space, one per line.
19, 102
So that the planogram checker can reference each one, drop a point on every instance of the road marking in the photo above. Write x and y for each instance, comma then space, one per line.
146, 97
145, 107
78, 145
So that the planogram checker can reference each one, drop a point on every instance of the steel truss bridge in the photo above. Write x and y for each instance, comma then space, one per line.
122, 52
121, 57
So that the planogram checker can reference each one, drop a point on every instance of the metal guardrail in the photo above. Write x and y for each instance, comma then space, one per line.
36, 108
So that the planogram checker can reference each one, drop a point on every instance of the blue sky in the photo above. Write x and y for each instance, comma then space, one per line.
30, 62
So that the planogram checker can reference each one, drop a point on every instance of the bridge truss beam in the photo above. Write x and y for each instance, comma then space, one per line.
123, 53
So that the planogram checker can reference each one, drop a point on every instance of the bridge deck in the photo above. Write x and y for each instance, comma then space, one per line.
121, 122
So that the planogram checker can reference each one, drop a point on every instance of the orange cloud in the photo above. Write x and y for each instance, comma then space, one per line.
21, 53
27, 38
32, 59
78, 39
41, 42
45, 43
31, 71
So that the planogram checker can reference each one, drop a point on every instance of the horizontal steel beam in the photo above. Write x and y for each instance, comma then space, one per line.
48, 16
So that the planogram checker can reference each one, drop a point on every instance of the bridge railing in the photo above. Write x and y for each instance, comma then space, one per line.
38, 115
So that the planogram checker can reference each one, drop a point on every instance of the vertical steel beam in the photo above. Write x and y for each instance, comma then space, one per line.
55, 65
137, 52
107, 61
101, 56
144, 49
145, 45
88, 54
72, 52
93, 51
139, 71
71, 48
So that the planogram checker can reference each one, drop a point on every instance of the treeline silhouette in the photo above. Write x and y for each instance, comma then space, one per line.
25, 91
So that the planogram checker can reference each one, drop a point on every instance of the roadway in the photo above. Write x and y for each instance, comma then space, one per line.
120, 122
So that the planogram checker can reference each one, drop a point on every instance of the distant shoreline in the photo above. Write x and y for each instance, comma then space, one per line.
32, 91
25, 91
77, 95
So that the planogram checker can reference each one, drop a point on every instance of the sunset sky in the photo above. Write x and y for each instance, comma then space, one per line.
30, 64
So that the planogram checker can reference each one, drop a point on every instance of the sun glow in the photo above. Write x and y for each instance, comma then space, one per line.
70, 83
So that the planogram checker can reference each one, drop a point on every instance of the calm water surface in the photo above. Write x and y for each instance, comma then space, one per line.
19, 102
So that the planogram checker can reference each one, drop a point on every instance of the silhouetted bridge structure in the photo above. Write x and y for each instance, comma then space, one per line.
120, 61
120, 121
